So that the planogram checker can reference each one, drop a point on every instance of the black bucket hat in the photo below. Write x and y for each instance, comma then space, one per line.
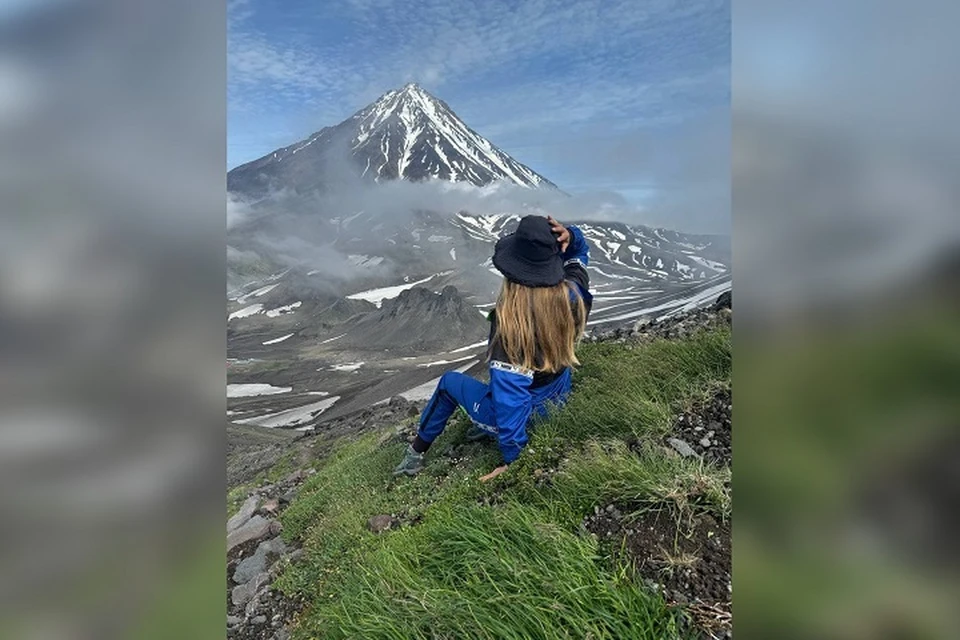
531, 255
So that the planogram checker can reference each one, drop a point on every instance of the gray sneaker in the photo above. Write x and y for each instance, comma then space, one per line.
411, 464
475, 434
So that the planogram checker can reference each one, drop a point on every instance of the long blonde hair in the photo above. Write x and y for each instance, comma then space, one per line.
537, 326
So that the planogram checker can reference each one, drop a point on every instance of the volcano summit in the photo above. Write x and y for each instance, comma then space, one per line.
406, 134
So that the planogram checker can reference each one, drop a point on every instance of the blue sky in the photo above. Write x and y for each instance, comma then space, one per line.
625, 100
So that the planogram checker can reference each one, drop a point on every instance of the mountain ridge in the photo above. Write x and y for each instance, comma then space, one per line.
418, 318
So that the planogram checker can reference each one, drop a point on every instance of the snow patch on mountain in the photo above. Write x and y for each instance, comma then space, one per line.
470, 346
377, 296
291, 417
349, 366
279, 311
425, 390
246, 311
438, 362
249, 390
669, 308
256, 294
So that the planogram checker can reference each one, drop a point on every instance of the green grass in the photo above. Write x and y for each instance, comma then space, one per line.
510, 559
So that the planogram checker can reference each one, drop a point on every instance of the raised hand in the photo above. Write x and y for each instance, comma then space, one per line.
563, 235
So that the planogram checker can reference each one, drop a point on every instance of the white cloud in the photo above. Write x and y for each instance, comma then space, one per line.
237, 212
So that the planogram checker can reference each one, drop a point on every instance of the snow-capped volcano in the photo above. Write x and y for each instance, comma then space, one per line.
406, 134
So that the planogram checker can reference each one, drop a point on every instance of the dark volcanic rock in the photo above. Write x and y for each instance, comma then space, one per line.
253, 565
242, 594
251, 568
340, 312
708, 428
419, 319
725, 301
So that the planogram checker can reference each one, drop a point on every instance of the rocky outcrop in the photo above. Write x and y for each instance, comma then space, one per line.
419, 319
676, 327
253, 529
255, 556
242, 516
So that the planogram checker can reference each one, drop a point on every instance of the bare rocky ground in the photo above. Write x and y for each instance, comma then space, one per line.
706, 430
686, 560
255, 556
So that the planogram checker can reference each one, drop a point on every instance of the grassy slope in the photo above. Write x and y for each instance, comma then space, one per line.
510, 559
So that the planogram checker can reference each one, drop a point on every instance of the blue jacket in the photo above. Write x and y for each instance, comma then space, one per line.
518, 393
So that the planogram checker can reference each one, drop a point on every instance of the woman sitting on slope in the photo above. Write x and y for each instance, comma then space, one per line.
540, 314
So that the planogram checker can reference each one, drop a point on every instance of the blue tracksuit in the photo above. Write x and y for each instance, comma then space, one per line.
514, 395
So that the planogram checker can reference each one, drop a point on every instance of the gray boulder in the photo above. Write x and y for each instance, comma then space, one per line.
681, 447
254, 529
247, 510
248, 568
241, 594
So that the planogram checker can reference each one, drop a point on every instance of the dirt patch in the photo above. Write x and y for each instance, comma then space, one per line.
688, 561
708, 428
